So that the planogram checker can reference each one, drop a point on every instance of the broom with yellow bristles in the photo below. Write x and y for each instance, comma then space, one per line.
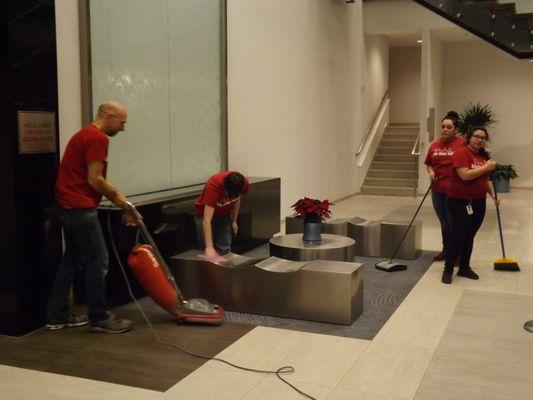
504, 263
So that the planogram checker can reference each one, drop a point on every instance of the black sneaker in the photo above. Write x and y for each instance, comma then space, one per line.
468, 273
447, 277
71, 321
111, 325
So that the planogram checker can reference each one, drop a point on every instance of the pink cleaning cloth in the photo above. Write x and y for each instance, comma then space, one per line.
215, 260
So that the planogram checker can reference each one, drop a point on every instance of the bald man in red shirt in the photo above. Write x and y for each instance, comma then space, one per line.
80, 185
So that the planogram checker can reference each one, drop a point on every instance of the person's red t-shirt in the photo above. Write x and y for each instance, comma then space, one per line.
439, 157
474, 189
90, 144
216, 196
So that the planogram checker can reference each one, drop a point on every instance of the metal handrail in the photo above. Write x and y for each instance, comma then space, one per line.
371, 125
417, 144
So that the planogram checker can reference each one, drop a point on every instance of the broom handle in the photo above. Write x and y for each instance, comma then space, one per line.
411, 223
499, 218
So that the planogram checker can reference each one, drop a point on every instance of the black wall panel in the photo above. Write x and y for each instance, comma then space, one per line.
29, 240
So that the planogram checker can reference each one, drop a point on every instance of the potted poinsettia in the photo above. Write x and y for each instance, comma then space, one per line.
312, 212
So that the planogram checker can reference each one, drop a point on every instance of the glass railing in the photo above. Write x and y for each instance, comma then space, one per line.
496, 22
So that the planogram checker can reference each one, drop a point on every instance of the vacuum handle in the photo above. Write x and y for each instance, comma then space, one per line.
134, 213
148, 238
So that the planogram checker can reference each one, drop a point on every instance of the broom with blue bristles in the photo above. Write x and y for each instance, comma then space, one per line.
504, 263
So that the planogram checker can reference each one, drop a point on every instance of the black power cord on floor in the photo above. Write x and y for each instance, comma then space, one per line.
278, 372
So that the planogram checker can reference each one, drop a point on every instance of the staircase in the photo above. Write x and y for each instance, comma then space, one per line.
495, 21
394, 170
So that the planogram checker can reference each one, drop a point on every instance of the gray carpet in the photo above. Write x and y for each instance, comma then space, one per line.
383, 293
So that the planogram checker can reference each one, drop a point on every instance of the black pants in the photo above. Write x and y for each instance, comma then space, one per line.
463, 229
439, 205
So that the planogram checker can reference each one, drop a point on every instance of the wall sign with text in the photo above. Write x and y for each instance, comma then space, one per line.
37, 132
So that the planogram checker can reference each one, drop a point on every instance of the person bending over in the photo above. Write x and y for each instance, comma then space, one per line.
216, 212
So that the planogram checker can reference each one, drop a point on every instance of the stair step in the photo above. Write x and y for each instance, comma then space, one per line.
399, 165
394, 150
523, 21
390, 182
395, 157
395, 142
406, 128
388, 191
394, 170
402, 124
399, 131
506, 8
401, 136
391, 173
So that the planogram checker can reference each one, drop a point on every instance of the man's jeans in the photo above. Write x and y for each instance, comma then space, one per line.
221, 229
84, 249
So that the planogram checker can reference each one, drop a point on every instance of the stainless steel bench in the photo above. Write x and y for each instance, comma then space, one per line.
325, 291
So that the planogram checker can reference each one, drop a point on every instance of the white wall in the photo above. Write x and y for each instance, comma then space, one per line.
430, 97
293, 84
68, 69
404, 84
375, 82
522, 6
400, 16
375, 75
479, 72
435, 82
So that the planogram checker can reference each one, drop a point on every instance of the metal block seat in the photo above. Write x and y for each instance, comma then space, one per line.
378, 238
392, 231
326, 291
367, 236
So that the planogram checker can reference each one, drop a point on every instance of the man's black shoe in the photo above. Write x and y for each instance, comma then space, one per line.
468, 273
70, 321
447, 277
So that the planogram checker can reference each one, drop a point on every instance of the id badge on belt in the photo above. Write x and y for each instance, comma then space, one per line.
469, 209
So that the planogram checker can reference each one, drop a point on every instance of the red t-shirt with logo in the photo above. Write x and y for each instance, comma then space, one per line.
216, 196
476, 188
90, 144
439, 157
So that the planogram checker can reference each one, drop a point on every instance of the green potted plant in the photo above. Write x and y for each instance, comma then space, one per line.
477, 115
502, 175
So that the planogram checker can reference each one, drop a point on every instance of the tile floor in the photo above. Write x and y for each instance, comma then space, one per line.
457, 341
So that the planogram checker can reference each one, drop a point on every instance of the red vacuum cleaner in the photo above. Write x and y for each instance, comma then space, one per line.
155, 277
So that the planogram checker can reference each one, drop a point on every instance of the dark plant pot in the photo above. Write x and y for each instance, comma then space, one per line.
312, 232
501, 186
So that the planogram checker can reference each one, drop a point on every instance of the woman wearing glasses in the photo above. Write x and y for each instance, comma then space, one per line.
466, 201
439, 167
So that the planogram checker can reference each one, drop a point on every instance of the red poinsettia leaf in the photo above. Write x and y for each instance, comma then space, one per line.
307, 207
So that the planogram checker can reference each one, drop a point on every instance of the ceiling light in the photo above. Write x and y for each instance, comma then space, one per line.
419, 41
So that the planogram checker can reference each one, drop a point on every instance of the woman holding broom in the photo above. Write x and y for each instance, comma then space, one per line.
466, 201
439, 167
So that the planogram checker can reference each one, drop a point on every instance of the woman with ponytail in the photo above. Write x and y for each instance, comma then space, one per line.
439, 167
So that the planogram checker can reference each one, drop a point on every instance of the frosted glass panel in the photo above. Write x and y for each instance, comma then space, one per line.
195, 108
161, 59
